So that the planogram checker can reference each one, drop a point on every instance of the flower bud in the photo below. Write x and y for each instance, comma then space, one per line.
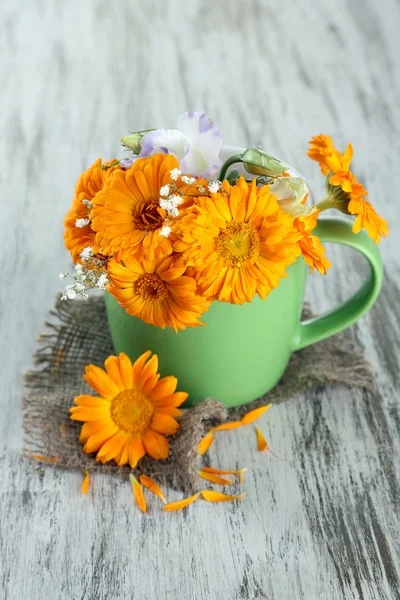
257, 162
133, 142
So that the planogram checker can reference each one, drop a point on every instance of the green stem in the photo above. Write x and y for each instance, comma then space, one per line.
236, 158
326, 203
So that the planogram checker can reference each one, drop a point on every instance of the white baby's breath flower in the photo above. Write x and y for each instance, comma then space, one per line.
102, 282
165, 231
79, 287
82, 223
70, 291
63, 275
164, 191
86, 253
175, 200
188, 180
214, 186
175, 174
174, 212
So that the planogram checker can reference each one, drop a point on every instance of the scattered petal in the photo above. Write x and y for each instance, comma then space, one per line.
86, 482
49, 459
153, 487
261, 441
181, 503
214, 478
138, 493
238, 472
212, 496
205, 443
253, 415
224, 426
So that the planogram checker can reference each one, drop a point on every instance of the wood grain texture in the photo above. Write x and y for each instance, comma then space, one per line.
321, 518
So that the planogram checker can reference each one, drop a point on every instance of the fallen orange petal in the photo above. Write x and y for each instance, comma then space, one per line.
214, 478
205, 443
251, 416
181, 503
261, 441
224, 426
49, 459
212, 496
153, 487
85, 482
224, 471
138, 493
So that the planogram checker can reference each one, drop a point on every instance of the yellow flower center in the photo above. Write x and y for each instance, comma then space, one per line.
147, 217
132, 411
237, 243
151, 287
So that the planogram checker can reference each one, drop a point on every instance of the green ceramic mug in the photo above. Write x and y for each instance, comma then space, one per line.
244, 349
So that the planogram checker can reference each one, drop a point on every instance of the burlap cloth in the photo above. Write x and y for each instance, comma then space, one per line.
77, 334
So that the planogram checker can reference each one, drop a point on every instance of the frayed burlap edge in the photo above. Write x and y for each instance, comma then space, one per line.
77, 334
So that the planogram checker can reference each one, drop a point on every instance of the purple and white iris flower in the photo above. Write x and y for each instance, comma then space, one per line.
196, 143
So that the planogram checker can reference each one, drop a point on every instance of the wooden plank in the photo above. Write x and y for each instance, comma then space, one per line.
321, 518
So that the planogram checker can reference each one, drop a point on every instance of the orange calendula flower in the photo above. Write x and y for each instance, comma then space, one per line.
321, 148
134, 413
239, 242
344, 192
127, 215
85, 482
78, 232
212, 496
158, 291
181, 503
311, 247
151, 485
138, 493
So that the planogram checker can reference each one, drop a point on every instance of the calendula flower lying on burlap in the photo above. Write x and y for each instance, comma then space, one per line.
132, 415
344, 192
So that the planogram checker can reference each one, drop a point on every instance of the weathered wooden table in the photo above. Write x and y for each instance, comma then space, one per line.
320, 521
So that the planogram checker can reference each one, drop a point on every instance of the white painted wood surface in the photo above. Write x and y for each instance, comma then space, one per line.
320, 521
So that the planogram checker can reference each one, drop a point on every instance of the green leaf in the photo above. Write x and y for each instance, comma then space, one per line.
233, 176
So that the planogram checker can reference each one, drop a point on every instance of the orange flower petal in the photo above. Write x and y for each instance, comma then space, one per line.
253, 415
224, 426
85, 482
164, 424
205, 443
214, 478
49, 459
181, 503
212, 496
138, 493
136, 451
238, 472
153, 487
156, 445
261, 441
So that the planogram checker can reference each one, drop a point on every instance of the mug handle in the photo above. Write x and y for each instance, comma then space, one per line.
318, 328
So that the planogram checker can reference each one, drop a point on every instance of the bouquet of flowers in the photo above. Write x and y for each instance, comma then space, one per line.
170, 229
